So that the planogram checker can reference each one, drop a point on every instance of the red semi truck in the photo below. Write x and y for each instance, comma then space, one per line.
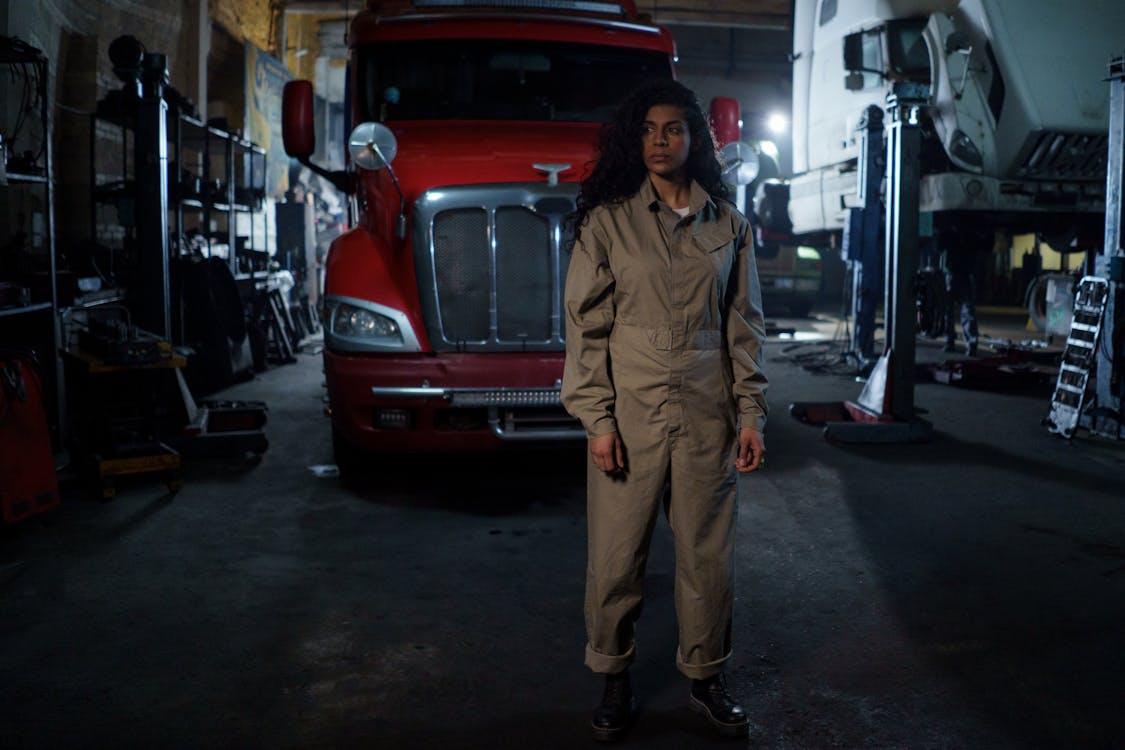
474, 122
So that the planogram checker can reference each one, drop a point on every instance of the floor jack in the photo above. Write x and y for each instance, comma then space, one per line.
217, 428
884, 412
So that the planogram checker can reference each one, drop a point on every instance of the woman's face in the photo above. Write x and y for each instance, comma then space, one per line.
666, 141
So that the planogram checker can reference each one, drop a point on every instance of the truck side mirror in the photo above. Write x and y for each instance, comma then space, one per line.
372, 145
726, 119
299, 136
740, 163
853, 52
297, 132
853, 81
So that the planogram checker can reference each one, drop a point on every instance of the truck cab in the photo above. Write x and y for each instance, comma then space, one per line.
474, 123
1015, 129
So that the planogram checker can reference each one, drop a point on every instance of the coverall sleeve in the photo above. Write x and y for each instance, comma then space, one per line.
587, 387
745, 335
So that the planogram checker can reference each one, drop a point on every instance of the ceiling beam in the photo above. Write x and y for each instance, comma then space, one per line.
758, 14
327, 7
755, 14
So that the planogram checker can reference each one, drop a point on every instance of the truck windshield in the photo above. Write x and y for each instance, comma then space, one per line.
906, 49
500, 80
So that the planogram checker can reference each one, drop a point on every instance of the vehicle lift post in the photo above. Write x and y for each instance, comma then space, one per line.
151, 148
1093, 350
860, 245
1106, 420
885, 410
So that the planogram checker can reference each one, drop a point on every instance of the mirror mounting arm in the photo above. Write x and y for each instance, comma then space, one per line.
340, 179
400, 220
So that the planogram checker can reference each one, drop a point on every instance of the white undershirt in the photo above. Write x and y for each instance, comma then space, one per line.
683, 212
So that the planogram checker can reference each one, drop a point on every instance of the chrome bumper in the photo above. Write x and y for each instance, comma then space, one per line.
503, 425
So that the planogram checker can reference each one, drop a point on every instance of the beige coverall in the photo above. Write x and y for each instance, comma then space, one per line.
664, 342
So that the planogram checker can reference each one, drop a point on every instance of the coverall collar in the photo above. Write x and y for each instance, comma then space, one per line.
699, 200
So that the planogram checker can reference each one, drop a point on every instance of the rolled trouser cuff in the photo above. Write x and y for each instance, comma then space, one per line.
608, 663
698, 671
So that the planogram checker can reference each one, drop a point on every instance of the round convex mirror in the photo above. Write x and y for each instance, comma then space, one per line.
372, 145
740, 163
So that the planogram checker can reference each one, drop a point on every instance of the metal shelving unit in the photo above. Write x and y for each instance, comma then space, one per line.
34, 324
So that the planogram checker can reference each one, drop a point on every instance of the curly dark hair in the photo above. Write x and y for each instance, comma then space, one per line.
618, 169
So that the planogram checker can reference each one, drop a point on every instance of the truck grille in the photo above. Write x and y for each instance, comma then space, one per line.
1064, 156
491, 263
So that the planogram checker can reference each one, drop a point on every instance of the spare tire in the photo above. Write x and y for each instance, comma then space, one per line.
929, 303
226, 299
214, 324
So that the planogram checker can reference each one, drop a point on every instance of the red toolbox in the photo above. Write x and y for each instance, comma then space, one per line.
27, 468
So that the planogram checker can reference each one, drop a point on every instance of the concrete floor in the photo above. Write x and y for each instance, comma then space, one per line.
968, 593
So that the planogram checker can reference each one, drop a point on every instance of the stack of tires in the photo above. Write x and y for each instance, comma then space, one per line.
214, 325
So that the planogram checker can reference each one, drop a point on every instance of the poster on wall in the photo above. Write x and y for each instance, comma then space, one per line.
265, 77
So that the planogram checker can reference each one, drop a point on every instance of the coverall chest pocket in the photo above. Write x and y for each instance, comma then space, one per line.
714, 240
717, 245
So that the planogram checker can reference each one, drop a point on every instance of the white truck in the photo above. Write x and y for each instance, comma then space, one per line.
1015, 134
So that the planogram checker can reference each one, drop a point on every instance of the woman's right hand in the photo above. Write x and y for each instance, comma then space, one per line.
608, 453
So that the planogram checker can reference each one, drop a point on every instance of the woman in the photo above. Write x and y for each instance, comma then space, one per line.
663, 368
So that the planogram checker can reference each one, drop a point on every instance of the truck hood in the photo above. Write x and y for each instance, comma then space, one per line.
1055, 101
442, 153
1054, 56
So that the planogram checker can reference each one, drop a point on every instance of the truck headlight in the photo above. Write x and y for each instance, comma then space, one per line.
361, 326
355, 322
965, 151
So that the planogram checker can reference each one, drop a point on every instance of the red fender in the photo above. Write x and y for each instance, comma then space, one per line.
358, 267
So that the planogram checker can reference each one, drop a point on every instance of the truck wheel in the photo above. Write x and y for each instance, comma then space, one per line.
929, 303
1037, 302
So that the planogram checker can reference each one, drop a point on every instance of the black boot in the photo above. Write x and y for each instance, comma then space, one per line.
710, 698
611, 719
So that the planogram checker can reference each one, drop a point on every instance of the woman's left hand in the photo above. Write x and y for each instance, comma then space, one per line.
751, 450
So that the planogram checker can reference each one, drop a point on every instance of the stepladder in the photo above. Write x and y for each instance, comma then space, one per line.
1079, 358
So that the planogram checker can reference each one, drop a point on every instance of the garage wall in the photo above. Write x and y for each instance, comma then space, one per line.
252, 20
76, 34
